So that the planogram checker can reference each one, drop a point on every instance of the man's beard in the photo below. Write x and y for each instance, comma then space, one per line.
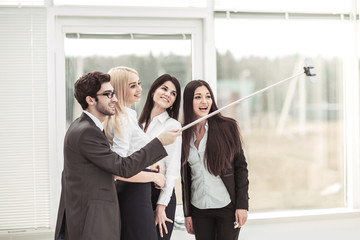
104, 110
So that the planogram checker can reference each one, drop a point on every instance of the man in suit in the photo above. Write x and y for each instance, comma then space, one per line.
88, 204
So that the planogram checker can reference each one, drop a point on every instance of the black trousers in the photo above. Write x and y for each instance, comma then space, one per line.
169, 210
214, 224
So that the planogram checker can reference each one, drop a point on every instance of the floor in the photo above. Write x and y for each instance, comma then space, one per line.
179, 232
181, 235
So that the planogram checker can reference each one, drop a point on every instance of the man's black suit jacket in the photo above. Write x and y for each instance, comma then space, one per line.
88, 203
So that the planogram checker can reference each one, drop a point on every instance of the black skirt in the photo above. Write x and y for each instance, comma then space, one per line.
137, 216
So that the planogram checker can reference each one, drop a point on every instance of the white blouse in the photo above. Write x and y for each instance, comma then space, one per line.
207, 190
170, 164
132, 137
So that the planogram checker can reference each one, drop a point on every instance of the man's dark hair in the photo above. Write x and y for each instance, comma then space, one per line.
88, 85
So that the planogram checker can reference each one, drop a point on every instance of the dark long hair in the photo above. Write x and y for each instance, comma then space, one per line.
173, 111
223, 133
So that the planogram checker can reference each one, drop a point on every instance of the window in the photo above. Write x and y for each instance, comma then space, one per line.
150, 54
293, 133
152, 47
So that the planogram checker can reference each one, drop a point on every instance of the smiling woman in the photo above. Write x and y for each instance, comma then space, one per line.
165, 95
214, 171
202, 101
161, 111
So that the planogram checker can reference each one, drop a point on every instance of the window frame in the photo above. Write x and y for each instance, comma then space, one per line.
133, 19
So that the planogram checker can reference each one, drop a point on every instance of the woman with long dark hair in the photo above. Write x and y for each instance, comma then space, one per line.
161, 111
214, 169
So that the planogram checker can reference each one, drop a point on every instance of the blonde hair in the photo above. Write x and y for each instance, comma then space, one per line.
119, 79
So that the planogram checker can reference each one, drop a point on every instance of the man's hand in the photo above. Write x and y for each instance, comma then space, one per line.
168, 136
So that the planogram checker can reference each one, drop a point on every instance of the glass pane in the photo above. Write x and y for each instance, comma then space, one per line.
332, 6
140, 3
150, 57
293, 133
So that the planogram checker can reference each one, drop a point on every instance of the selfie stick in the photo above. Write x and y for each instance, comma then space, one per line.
308, 70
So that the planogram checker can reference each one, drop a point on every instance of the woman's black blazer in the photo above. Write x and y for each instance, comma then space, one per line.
235, 179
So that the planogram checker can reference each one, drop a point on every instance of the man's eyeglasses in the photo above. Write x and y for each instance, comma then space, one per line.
110, 95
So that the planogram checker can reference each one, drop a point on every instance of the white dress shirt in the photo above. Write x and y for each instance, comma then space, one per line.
170, 164
207, 190
132, 137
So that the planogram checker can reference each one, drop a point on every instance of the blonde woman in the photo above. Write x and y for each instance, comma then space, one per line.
126, 137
